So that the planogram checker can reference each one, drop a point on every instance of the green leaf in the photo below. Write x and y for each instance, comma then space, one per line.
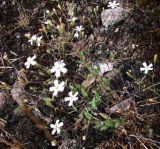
97, 69
104, 127
94, 103
111, 55
84, 91
79, 88
116, 122
48, 102
97, 95
82, 55
108, 122
96, 100
88, 115
97, 124
105, 116
73, 88
106, 81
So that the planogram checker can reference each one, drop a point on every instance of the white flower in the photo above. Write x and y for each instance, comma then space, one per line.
30, 61
58, 27
56, 127
146, 68
59, 67
72, 97
113, 4
48, 22
53, 143
39, 41
54, 10
83, 138
33, 39
58, 87
73, 19
76, 34
71, 12
79, 28
47, 11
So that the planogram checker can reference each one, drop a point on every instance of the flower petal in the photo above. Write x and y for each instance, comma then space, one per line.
53, 143
33, 62
51, 89
75, 94
61, 88
60, 124
67, 98
150, 65
29, 59
52, 126
58, 130
70, 103
58, 73
75, 98
62, 84
34, 57
56, 82
70, 94
53, 69
27, 66
55, 93
64, 70
145, 64
146, 71
53, 131
57, 121
56, 64
150, 68
142, 69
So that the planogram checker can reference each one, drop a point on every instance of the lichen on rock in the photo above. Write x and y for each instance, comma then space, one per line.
111, 17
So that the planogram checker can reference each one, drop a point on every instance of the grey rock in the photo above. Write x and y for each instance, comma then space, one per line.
111, 17
69, 144
3, 98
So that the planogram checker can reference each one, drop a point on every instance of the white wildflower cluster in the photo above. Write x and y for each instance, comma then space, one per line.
58, 69
72, 19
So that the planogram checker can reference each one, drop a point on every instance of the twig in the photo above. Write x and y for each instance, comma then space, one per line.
5, 67
146, 139
151, 86
139, 141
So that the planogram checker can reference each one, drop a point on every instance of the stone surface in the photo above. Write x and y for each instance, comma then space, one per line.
3, 97
69, 144
111, 17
